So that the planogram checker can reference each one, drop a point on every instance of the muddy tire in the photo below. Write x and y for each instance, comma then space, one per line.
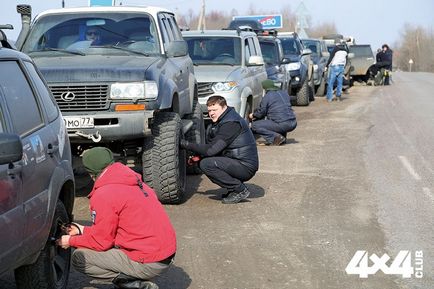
303, 95
164, 163
196, 134
51, 269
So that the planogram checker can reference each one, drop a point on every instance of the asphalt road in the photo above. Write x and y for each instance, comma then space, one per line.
354, 175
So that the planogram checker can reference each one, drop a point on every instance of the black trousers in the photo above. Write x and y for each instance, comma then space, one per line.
226, 172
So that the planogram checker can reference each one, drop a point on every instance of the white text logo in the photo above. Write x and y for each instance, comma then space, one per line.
401, 265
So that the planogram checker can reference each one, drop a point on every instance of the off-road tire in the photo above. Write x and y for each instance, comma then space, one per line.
51, 269
311, 89
196, 134
247, 111
303, 95
321, 88
164, 164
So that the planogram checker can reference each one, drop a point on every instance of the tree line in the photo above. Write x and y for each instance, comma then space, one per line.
416, 43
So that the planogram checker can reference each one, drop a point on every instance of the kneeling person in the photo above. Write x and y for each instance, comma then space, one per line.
131, 239
274, 117
230, 156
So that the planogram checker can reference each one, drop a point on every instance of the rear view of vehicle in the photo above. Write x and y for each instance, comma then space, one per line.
363, 59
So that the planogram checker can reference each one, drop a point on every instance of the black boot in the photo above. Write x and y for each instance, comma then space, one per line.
127, 282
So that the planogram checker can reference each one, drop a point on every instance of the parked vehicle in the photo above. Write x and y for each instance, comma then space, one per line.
133, 90
275, 60
319, 56
227, 63
363, 59
36, 176
300, 69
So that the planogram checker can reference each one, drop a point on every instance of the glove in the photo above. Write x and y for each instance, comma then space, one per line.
184, 143
325, 68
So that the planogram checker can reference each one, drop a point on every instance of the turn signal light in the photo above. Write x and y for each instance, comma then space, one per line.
129, 107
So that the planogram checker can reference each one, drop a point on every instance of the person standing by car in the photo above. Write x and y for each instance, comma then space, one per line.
280, 119
131, 239
336, 65
230, 156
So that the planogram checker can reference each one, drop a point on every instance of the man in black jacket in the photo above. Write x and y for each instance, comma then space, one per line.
280, 118
230, 156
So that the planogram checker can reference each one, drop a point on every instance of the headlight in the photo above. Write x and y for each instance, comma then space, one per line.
134, 90
294, 66
224, 86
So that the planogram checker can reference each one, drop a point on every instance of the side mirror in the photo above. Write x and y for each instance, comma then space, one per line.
11, 148
177, 48
286, 60
351, 55
306, 51
255, 60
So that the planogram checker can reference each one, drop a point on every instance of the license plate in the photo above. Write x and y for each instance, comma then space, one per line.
78, 122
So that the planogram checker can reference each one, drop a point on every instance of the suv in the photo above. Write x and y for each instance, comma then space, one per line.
300, 69
228, 63
363, 59
275, 60
36, 176
319, 56
122, 78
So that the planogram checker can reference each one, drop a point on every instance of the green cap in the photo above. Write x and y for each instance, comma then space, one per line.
268, 84
97, 159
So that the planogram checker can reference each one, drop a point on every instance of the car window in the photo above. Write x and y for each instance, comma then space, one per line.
174, 27
215, 50
289, 46
364, 51
19, 98
248, 50
252, 46
269, 52
47, 99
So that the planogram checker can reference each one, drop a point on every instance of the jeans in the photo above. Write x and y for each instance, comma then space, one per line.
336, 71
269, 129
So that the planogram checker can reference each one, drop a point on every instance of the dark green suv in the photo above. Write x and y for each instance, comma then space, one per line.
36, 177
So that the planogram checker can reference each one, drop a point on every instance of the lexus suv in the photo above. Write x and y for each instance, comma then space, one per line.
227, 63
132, 88
36, 176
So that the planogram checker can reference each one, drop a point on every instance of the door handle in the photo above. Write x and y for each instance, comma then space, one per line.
14, 169
51, 149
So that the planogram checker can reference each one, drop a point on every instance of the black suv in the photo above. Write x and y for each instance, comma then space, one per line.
36, 176
274, 58
300, 69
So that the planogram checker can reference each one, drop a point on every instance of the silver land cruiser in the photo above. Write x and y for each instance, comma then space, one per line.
123, 79
228, 63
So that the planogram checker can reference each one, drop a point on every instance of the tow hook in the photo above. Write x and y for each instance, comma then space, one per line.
94, 137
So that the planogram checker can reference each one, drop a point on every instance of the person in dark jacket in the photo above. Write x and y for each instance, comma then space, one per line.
383, 66
131, 239
229, 156
274, 117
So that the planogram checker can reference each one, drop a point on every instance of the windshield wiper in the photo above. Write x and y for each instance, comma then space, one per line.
127, 49
60, 50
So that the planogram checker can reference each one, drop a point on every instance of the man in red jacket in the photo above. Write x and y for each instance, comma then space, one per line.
131, 239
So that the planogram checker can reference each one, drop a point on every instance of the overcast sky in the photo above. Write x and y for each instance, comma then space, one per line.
369, 21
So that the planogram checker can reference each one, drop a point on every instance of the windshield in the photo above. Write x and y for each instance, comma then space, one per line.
269, 52
289, 46
313, 45
214, 50
364, 51
91, 32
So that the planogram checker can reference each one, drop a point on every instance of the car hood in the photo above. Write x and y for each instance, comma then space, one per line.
215, 73
94, 68
293, 57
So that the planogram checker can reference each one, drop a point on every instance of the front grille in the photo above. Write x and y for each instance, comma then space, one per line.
86, 97
204, 89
